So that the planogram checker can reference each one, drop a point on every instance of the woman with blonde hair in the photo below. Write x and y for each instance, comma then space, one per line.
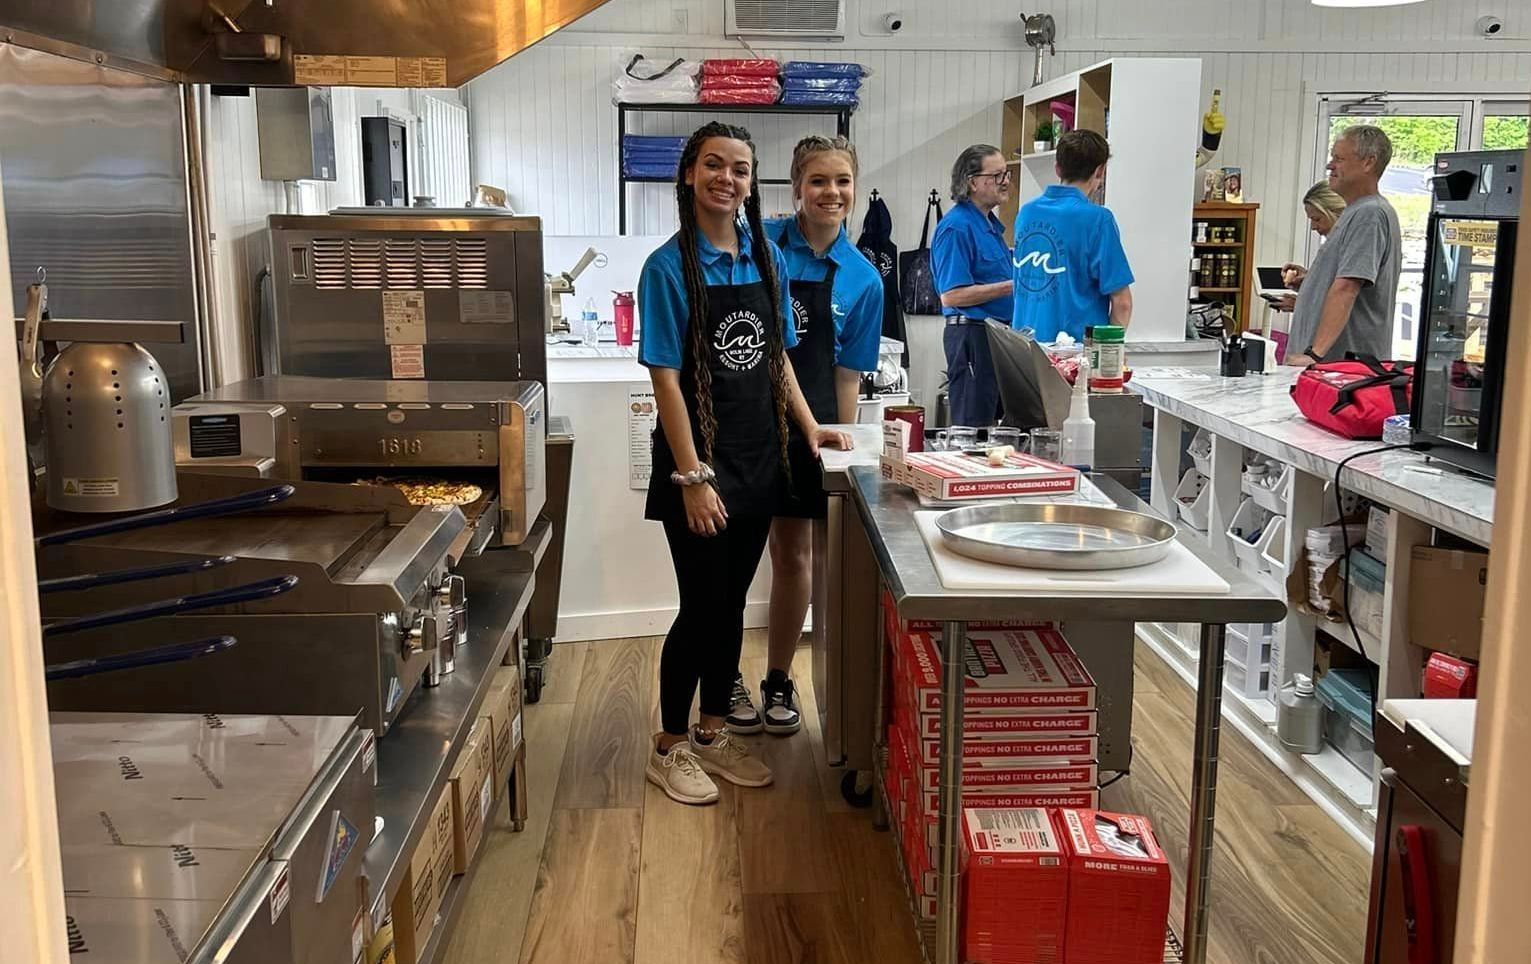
1323, 206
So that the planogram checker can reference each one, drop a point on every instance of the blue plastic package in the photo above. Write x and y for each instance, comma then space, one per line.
811, 68
833, 85
816, 98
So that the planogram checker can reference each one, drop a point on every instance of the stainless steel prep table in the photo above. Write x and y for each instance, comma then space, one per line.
887, 512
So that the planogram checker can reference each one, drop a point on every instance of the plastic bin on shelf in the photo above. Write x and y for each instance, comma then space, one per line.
1346, 695
1200, 451
1245, 533
1248, 681
1273, 548
1273, 498
1249, 643
1368, 577
1193, 496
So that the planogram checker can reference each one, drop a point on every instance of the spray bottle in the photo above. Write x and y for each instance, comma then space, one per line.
1079, 428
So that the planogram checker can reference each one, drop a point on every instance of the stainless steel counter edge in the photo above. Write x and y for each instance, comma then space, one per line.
1442, 501
415, 759
887, 511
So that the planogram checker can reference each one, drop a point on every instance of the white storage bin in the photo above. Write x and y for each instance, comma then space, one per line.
1245, 532
1273, 549
1201, 453
1194, 497
1249, 644
1273, 497
1252, 682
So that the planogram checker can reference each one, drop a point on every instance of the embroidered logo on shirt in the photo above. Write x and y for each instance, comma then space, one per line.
740, 340
799, 318
1035, 270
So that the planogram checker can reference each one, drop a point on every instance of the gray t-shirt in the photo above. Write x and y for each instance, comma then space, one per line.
1364, 245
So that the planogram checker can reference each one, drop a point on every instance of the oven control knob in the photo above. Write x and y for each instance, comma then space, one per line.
424, 636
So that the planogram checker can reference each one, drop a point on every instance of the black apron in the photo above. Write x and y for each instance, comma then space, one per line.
813, 361
746, 453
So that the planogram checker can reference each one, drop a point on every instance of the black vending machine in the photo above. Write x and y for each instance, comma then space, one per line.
1469, 270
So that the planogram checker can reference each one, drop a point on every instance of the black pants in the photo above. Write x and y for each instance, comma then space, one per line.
714, 574
971, 387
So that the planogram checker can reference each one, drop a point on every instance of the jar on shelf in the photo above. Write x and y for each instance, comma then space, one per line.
1201, 232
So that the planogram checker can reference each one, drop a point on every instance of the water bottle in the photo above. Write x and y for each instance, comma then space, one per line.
589, 324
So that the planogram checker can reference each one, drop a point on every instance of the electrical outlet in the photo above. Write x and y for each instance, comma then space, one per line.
679, 19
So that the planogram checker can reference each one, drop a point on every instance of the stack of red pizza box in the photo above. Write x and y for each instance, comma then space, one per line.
1029, 732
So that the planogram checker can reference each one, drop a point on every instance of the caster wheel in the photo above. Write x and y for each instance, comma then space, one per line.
534, 683
855, 793
518, 825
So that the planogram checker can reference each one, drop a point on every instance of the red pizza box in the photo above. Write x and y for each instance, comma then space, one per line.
1119, 889
1449, 678
1013, 867
895, 629
1007, 670
952, 476
1024, 723
1060, 749
1046, 799
1027, 775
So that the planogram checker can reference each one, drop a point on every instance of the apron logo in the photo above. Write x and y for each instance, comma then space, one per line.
881, 260
799, 318
740, 340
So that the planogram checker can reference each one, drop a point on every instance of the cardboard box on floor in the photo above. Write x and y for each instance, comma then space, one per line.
472, 780
503, 706
1447, 588
419, 897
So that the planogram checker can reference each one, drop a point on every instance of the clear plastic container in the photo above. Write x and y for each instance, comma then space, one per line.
1346, 695
1300, 716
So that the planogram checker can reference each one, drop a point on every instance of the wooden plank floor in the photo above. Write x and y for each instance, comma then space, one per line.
609, 871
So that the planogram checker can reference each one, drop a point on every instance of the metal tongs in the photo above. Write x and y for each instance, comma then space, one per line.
173, 652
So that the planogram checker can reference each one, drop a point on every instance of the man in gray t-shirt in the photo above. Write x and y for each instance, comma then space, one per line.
1345, 300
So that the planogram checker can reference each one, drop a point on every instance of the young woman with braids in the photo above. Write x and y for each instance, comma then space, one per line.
715, 334
836, 297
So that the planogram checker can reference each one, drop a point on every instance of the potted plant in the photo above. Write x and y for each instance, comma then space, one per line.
1046, 133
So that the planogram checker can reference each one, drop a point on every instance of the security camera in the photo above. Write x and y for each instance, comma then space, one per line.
893, 22
1489, 26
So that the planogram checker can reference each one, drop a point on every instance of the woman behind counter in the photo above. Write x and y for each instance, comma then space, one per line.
836, 299
715, 333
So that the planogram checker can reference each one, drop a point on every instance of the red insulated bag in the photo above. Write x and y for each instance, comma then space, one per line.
1354, 396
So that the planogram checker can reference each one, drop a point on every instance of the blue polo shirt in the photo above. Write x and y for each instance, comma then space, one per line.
969, 249
665, 311
855, 299
1068, 262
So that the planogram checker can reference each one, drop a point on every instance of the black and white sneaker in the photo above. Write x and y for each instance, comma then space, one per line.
779, 697
743, 717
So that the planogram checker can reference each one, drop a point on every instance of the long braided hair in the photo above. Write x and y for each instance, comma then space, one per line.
696, 291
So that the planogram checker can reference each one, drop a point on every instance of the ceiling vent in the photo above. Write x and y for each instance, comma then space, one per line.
798, 19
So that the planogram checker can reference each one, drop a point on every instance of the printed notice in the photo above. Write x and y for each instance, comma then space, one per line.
311, 70
278, 896
422, 72
92, 488
372, 71
642, 415
407, 361
1470, 234
485, 307
404, 318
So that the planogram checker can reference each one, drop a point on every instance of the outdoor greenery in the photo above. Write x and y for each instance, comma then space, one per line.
1505, 133
1416, 140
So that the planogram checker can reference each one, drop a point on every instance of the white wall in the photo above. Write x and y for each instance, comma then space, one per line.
239, 201
544, 127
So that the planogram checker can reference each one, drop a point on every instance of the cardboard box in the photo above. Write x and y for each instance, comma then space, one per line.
419, 897
1012, 864
1118, 889
474, 771
1449, 678
1007, 670
1447, 588
1013, 776
897, 629
503, 707
1069, 749
1011, 726
1004, 800
953, 476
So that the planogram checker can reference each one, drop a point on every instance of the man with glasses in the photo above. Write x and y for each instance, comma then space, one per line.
972, 269
1070, 269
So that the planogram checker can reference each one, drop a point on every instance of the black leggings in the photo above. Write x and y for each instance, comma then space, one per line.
714, 574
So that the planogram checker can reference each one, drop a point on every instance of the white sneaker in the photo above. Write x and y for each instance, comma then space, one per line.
679, 774
742, 717
728, 758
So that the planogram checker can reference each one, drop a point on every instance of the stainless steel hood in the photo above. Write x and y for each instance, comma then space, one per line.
378, 43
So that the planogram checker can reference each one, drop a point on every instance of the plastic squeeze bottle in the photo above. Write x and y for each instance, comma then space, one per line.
1078, 448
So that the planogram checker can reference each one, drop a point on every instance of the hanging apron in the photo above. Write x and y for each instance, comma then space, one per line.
745, 451
813, 361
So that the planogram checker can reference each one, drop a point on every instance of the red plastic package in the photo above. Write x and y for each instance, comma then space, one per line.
1118, 891
1352, 398
740, 95
753, 68
739, 82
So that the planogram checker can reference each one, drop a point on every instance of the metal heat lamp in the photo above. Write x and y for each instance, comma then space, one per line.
1041, 31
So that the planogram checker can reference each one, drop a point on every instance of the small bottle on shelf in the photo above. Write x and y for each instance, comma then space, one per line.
1300, 716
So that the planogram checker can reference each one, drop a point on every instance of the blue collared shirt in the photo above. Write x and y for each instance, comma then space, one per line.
969, 249
664, 310
1068, 262
855, 299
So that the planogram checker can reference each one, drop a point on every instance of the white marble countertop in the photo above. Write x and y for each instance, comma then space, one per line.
1257, 412
1448, 724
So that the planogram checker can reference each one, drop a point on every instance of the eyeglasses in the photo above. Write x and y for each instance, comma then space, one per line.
1001, 177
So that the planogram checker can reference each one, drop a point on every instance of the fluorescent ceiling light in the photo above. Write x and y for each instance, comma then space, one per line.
1362, 3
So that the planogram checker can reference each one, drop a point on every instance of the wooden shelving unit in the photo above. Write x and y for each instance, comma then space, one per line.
1240, 217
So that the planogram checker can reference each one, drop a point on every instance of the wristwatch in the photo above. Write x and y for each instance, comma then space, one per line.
1313, 354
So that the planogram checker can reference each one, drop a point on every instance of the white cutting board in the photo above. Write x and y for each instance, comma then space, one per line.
1178, 574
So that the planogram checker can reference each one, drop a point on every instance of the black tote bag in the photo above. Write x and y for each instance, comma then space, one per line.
876, 245
916, 282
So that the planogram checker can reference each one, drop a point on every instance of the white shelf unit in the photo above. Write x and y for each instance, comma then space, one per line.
1346, 792
1139, 104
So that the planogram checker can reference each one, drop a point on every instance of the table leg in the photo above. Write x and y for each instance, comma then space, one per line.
879, 725
1209, 720
949, 818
